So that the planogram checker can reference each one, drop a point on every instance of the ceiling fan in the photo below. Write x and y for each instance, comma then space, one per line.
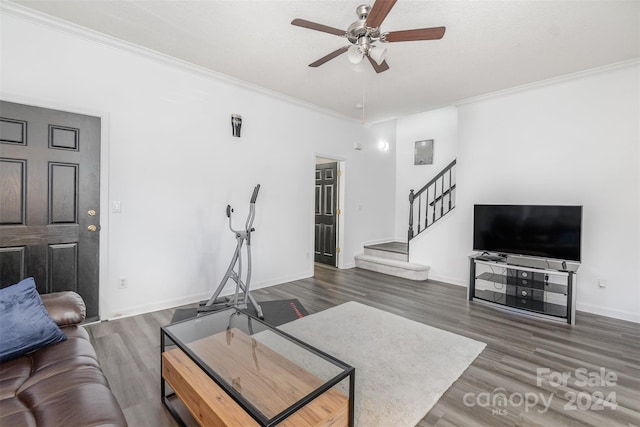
365, 32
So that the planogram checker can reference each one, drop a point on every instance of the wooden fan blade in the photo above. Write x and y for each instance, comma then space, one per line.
318, 27
434, 33
379, 11
379, 68
329, 56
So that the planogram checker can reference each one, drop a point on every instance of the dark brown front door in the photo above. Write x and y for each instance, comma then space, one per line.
326, 213
49, 200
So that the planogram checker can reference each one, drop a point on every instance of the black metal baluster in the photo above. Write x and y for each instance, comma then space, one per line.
450, 186
431, 202
426, 210
419, 212
410, 232
434, 202
442, 197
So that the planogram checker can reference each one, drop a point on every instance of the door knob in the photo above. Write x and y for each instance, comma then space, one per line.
92, 228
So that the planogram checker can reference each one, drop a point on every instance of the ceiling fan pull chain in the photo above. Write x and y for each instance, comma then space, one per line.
363, 105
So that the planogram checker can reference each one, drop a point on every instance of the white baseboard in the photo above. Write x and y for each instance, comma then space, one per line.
588, 308
281, 280
229, 290
161, 305
446, 279
602, 311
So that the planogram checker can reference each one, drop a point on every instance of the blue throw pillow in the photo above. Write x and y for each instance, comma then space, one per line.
25, 325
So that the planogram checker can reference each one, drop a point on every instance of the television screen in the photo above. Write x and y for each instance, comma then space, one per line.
534, 230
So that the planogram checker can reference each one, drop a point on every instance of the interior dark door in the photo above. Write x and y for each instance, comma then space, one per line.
49, 200
326, 213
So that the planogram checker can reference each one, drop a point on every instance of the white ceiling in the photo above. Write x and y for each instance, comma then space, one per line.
488, 46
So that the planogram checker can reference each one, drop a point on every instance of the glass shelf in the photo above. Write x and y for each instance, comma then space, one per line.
529, 304
531, 284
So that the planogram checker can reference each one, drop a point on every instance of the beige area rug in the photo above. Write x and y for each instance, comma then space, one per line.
402, 367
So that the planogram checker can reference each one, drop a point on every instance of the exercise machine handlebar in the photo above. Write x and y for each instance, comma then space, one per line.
249, 223
254, 196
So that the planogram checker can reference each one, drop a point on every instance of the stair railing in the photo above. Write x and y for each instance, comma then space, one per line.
433, 201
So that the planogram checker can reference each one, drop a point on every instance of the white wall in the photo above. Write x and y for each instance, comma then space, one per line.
442, 126
370, 189
573, 141
439, 125
170, 159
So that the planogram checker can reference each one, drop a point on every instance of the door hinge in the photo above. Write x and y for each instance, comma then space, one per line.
339, 172
337, 250
338, 211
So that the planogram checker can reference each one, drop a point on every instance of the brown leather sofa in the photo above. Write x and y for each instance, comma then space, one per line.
60, 384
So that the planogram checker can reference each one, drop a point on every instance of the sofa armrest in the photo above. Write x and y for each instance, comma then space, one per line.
65, 308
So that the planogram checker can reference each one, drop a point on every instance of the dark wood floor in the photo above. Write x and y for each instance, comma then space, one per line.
517, 347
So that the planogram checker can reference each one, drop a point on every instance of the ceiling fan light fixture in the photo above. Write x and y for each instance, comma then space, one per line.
358, 68
354, 54
378, 54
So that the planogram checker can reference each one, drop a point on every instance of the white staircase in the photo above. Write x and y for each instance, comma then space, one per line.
391, 258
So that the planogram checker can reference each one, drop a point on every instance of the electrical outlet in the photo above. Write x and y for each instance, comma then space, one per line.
122, 283
602, 283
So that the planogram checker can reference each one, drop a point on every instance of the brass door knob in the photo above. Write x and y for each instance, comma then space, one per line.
92, 228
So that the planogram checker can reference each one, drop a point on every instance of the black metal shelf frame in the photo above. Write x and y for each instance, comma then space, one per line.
348, 372
525, 289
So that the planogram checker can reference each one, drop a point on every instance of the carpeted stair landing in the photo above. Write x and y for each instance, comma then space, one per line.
391, 258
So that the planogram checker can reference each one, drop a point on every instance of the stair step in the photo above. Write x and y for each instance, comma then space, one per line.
386, 254
392, 267
390, 250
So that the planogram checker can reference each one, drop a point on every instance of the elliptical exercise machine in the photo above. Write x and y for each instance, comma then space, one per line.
214, 303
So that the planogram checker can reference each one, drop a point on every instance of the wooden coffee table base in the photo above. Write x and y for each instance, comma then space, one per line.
210, 405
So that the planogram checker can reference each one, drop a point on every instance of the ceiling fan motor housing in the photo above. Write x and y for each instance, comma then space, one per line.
359, 34
356, 30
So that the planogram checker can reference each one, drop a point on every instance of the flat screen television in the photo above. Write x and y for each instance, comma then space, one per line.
533, 230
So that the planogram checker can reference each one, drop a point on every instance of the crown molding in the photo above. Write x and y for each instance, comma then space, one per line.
22, 12
16, 10
550, 81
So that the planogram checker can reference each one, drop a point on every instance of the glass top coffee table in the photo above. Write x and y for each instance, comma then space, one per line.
230, 368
